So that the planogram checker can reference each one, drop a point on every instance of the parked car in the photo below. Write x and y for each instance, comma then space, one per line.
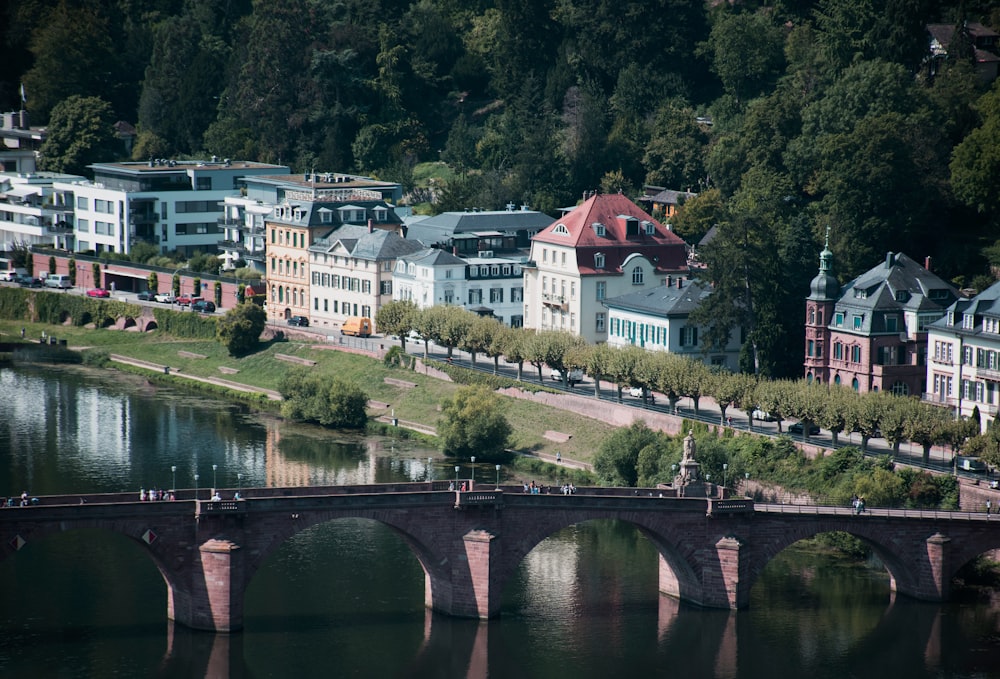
575, 376
165, 297
29, 282
187, 300
763, 416
798, 428
146, 296
98, 292
300, 321
203, 306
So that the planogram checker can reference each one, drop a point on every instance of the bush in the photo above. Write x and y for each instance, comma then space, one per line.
331, 403
473, 424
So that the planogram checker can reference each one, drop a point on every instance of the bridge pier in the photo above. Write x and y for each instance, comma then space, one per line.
937, 583
212, 597
474, 594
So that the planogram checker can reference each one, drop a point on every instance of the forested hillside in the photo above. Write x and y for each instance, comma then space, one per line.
787, 118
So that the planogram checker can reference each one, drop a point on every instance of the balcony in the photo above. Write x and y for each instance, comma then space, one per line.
940, 360
940, 399
555, 301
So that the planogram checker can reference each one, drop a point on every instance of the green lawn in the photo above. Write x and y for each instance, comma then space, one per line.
262, 369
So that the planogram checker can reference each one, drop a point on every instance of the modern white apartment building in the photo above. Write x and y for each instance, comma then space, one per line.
963, 352
33, 213
175, 205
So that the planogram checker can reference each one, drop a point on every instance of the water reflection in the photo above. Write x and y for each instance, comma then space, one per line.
347, 597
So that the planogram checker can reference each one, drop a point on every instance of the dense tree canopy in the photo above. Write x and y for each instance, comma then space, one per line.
793, 115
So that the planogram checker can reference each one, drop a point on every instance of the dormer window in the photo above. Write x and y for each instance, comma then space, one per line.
599, 230
325, 215
860, 293
951, 318
650, 228
381, 214
969, 321
560, 230
599, 260
991, 325
903, 296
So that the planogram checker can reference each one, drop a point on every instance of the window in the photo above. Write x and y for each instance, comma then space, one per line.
83, 225
602, 290
203, 184
838, 319
890, 323
599, 261
650, 229
856, 354
196, 206
637, 275
838, 350
811, 348
385, 288
689, 336
81, 202
572, 289
599, 322
545, 255
517, 294
598, 229
968, 321
858, 321
475, 296
563, 259
561, 230
496, 295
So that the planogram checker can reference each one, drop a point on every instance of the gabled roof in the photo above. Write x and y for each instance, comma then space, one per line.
897, 284
443, 227
985, 304
612, 215
433, 257
358, 241
678, 298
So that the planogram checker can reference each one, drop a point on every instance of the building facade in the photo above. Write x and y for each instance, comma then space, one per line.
871, 333
430, 276
174, 205
32, 212
351, 272
603, 248
963, 366
657, 319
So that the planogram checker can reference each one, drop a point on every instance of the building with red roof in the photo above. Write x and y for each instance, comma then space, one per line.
605, 247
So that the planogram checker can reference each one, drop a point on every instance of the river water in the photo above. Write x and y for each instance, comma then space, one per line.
346, 598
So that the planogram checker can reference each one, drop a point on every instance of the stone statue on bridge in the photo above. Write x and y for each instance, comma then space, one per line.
687, 481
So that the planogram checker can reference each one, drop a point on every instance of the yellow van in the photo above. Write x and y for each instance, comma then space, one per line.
359, 326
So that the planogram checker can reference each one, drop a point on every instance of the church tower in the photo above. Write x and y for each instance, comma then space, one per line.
823, 294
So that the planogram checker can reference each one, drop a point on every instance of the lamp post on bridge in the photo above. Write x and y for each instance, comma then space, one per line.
215, 485
239, 484
173, 471
195, 486
472, 473
725, 469
456, 477
498, 477
746, 478
430, 471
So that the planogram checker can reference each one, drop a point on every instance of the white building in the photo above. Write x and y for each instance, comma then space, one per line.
428, 277
19, 143
963, 352
605, 247
351, 272
175, 205
657, 319
495, 287
242, 227
32, 212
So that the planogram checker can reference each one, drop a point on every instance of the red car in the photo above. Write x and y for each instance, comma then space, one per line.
98, 292
185, 300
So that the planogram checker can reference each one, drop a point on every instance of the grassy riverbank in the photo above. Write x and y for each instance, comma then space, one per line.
264, 369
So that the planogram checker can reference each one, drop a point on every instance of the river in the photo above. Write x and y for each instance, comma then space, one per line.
346, 598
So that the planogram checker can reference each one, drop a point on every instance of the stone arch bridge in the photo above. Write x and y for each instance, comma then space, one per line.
711, 550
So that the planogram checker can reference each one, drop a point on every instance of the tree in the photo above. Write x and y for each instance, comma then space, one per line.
239, 330
473, 423
329, 402
975, 163
747, 52
80, 133
396, 318
617, 459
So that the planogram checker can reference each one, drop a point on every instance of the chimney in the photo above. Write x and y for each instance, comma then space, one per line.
927, 263
890, 259
454, 250
371, 227
670, 281
680, 282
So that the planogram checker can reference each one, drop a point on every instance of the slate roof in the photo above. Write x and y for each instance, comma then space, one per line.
897, 284
663, 301
433, 257
663, 247
985, 304
441, 228
375, 245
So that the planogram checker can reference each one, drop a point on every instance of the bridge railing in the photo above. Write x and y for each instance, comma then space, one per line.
828, 510
478, 498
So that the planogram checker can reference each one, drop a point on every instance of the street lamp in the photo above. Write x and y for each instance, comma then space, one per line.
195, 486
215, 468
173, 470
498, 477
746, 479
239, 484
456, 477
725, 468
472, 477
430, 470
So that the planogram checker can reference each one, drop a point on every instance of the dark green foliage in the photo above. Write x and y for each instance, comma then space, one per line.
331, 403
472, 423
239, 330
616, 462
185, 324
80, 133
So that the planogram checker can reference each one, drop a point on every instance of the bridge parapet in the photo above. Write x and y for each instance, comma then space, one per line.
220, 507
478, 498
730, 506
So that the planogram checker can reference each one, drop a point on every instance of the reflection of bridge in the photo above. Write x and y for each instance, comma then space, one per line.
470, 544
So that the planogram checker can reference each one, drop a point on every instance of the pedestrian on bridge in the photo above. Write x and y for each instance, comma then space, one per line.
989, 505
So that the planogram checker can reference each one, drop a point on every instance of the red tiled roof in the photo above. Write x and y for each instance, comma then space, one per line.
576, 229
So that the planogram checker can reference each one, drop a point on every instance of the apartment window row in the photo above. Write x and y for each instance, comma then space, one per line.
840, 352
980, 392
183, 206
944, 351
196, 228
349, 283
645, 334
